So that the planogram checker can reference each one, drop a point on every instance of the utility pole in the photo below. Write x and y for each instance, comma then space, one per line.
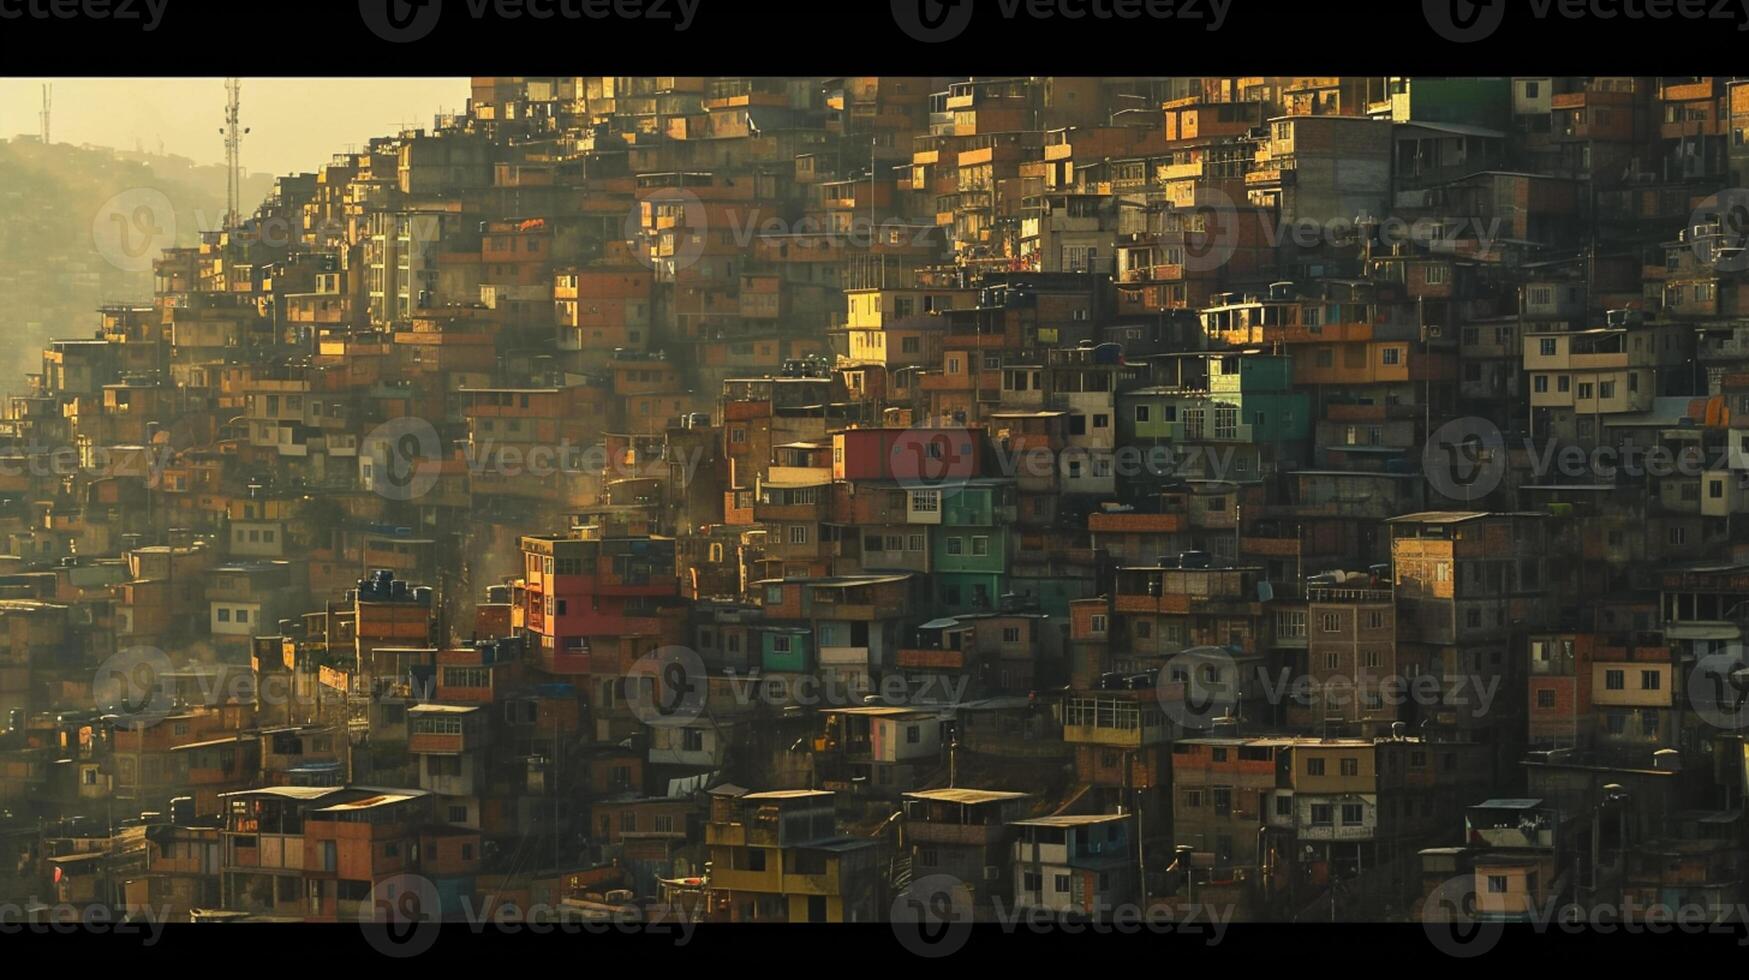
48, 101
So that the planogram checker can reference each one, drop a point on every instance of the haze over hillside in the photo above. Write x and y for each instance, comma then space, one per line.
54, 202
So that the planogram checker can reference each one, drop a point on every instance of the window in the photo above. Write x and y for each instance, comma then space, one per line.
1321, 814
1352, 814
1545, 699
1142, 414
1062, 883
1497, 884
1350, 767
1314, 766
1649, 680
1391, 355
1615, 680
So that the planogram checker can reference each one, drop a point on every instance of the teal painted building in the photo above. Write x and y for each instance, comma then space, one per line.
970, 549
1249, 398
1485, 102
786, 649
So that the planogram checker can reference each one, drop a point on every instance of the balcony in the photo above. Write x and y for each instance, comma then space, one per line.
1127, 723
954, 834
1270, 547
434, 743
932, 659
1134, 523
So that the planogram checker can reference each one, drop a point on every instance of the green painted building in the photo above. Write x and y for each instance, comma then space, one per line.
969, 550
1249, 398
1485, 102
785, 649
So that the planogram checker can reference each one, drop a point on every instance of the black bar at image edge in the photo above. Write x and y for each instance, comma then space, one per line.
922, 37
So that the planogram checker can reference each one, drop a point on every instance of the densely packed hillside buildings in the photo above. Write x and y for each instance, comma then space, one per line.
761, 499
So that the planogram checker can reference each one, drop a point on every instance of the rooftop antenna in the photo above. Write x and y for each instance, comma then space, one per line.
234, 133
48, 103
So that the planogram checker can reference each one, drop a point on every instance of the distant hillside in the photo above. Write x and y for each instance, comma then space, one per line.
53, 272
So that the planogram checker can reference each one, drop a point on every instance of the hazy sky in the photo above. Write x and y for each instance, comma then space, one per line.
295, 123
